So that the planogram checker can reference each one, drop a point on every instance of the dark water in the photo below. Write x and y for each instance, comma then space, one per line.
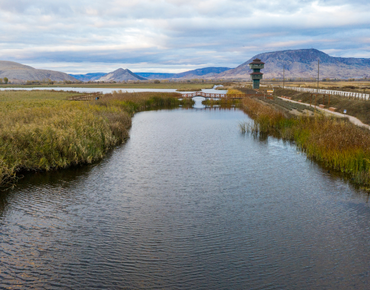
187, 203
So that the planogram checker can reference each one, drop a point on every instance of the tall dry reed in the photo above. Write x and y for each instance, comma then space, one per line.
336, 143
50, 134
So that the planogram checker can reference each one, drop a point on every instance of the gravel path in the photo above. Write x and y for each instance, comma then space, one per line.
350, 118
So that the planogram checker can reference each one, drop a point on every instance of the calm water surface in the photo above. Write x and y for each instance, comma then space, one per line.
187, 203
109, 90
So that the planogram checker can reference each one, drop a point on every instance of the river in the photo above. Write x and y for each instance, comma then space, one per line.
111, 90
187, 203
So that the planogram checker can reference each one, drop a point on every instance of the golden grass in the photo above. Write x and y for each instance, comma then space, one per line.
224, 102
357, 108
335, 143
362, 86
234, 92
46, 134
21, 95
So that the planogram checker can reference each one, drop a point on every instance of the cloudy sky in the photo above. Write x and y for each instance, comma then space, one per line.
81, 36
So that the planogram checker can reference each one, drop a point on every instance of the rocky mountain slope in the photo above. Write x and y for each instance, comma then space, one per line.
191, 74
120, 75
125, 75
201, 72
88, 77
302, 63
19, 73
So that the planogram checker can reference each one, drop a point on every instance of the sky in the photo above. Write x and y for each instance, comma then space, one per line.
82, 36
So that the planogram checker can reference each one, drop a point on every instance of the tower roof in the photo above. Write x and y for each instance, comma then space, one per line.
257, 61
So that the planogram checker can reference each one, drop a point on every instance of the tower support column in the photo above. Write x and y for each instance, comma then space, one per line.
256, 75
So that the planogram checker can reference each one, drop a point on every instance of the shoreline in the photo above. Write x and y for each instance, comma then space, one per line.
50, 134
338, 145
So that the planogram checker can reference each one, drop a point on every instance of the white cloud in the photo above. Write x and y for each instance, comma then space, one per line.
170, 34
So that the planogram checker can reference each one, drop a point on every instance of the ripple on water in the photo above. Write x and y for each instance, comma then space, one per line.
187, 203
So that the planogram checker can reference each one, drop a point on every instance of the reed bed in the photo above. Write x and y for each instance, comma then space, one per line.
136, 102
335, 143
43, 135
234, 92
224, 102
357, 108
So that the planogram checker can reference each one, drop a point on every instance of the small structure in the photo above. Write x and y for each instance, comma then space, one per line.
256, 75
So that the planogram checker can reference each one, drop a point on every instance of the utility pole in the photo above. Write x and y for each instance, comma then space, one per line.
318, 74
283, 76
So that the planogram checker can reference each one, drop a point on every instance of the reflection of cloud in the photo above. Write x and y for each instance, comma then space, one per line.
174, 33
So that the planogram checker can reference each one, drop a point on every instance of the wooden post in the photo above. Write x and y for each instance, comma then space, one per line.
311, 100
323, 99
329, 101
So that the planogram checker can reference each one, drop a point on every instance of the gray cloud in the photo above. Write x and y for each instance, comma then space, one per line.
170, 34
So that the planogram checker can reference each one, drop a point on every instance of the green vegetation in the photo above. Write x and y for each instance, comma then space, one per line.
43, 131
335, 143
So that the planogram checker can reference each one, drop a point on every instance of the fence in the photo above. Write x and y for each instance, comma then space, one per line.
89, 97
354, 95
218, 95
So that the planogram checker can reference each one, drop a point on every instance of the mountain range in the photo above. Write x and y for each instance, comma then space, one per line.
88, 77
206, 72
303, 63
297, 64
127, 75
17, 73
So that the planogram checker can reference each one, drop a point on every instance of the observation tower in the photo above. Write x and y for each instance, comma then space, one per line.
256, 65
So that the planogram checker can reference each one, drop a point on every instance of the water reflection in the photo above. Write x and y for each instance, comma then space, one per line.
110, 90
198, 103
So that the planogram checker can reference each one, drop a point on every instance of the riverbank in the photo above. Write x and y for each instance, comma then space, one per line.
336, 143
43, 131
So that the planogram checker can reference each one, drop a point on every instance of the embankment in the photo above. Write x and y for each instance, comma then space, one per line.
335, 143
356, 108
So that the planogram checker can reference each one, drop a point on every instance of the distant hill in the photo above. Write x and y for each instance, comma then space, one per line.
120, 75
191, 74
154, 76
126, 75
18, 73
88, 77
302, 63
202, 72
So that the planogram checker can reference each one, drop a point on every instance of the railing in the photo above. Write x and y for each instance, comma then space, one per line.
354, 95
97, 96
218, 95
88, 97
